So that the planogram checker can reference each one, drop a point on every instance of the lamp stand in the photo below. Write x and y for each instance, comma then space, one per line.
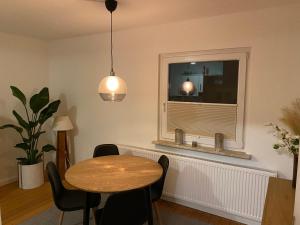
62, 153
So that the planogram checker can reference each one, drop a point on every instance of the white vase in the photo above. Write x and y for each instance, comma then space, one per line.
31, 176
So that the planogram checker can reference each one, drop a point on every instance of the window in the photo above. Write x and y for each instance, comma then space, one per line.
209, 82
203, 93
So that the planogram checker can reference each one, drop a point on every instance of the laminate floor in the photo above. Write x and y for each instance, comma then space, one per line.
18, 206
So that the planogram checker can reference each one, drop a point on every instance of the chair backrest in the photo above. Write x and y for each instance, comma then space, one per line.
55, 181
159, 185
106, 149
125, 208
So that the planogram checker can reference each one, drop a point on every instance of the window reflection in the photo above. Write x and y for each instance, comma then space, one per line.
208, 82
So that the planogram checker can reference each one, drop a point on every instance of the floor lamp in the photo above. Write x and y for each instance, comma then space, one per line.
62, 124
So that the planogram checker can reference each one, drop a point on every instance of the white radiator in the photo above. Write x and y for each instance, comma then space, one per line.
235, 192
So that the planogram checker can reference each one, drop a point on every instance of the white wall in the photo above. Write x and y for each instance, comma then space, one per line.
78, 64
23, 63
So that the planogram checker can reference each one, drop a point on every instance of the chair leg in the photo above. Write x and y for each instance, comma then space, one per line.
157, 213
94, 215
61, 217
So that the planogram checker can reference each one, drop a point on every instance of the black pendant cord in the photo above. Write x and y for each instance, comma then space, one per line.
111, 6
111, 47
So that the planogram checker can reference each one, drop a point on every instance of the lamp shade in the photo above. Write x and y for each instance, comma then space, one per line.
188, 87
62, 123
112, 88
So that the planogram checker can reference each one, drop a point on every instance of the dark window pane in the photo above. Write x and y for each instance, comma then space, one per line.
209, 82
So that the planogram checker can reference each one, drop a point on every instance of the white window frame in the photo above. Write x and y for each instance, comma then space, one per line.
240, 54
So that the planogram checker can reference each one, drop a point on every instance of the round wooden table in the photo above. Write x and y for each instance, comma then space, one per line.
117, 173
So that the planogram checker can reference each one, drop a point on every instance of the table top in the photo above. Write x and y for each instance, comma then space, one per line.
108, 174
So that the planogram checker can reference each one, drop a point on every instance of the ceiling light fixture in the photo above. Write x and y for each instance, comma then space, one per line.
112, 88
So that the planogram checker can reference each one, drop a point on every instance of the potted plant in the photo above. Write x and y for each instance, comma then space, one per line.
289, 141
30, 130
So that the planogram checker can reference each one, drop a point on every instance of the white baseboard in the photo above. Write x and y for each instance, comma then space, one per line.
210, 210
9, 180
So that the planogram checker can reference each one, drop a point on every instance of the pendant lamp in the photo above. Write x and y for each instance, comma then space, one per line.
188, 87
112, 88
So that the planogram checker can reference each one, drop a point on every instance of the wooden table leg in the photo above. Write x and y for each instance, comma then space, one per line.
149, 203
86, 211
60, 153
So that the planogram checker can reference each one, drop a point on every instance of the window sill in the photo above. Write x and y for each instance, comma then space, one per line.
229, 153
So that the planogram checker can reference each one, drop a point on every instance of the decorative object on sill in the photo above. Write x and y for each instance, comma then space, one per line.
179, 136
194, 144
188, 88
289, 142
41, 109
112, 88
219, 142
62, 124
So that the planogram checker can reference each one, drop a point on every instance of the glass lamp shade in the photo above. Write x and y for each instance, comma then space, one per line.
188, 87
112, 88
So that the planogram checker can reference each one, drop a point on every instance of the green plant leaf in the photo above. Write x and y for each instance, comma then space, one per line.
18, 94
22, 160
33, 124
38, 134
34, 152
20, 120
47, 112
26, 140
23, 146
18, 129
39, 156
40, 100
48, 148
295, 141
32, 157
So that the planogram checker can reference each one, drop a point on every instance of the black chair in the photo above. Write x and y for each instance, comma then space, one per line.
106, 149
124, 208
157, 187
68, 200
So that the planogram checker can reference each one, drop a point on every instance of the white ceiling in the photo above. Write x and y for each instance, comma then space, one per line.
53, 19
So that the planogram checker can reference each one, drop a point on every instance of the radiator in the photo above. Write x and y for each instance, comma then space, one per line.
227, 188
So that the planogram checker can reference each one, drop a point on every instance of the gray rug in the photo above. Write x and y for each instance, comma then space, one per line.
51, 217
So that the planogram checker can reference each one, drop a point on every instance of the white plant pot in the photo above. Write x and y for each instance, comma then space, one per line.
31, 176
